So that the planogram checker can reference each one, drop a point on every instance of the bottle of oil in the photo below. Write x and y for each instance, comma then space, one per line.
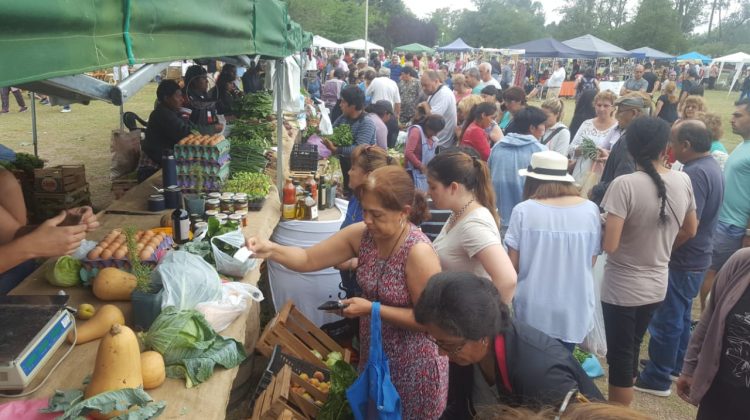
322, 194
311, 207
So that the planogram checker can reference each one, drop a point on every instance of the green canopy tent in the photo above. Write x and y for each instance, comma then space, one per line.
414, 48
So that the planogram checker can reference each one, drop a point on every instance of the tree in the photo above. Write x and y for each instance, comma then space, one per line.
689, 14
444, 20
657, 25
338, 20
500, 23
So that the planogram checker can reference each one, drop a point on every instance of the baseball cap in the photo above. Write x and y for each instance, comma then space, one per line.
628, 101
384, 106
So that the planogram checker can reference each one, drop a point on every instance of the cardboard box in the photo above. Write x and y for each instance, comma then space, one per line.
59, 179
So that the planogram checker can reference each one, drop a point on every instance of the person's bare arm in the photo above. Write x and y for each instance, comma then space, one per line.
612, 233
501, 269
338, 248
659, 105
513, 256
688, 229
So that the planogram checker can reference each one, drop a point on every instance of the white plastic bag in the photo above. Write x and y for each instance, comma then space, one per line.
188, 280
234, 301
324, 126
596, 340
227, 264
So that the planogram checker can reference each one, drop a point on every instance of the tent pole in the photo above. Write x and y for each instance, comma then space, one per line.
122, 112
367, 17
33, 124
279, 74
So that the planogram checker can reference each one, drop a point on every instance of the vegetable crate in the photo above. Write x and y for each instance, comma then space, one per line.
48, 205
280, 361
59, 179
122, 185
275, 401
299, 337
304, 158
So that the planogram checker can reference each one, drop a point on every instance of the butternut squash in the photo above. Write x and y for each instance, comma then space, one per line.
118, 365
152, 369
98, 325
113, 284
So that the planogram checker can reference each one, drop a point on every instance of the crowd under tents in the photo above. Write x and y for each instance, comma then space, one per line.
414, 48
694, 56
649, 52
359, 45
457, 46
551, 48
321, 42
740, 60
601, 48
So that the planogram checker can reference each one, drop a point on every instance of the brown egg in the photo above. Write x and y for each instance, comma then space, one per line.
140, 247
120, 253
154, 243
104, 244
106, 254
95, 253
147, 253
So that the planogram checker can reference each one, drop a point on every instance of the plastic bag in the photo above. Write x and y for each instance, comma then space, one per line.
227, 264
596, 340
324, 126
126, 151
234, 301
592, 178
323, 152
188, 280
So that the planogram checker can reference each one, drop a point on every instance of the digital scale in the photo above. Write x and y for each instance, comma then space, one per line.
31, 330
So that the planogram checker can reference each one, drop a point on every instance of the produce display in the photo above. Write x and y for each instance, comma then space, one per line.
85, 311
114, 246
118, 364
201, 140
588, 149
24, 162
190, 347
255, 185
113, 284
98, 325
248, 152
318, 381
65, 272
152, 369
336, 406
254, 106
342, 136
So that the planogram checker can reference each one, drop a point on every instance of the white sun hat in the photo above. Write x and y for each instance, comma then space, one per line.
548, 166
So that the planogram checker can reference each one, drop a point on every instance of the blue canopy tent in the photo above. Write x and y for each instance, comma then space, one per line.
551, 48
694, 56
649, 52
456, 46
600, 47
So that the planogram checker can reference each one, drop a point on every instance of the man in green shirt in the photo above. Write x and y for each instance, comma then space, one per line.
733, 229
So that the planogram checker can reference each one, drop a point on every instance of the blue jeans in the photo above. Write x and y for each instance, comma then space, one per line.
670, 329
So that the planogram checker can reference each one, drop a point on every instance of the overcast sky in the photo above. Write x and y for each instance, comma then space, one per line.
422, 8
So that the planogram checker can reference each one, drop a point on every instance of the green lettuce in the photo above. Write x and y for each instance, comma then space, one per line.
135, 403
190, 347
336, 406
65, 272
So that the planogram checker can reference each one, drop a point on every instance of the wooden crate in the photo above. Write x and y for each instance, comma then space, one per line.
48, 205
59, 179
297, 336
274, 402
121, 186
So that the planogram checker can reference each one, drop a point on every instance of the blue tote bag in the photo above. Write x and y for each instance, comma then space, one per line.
373, 395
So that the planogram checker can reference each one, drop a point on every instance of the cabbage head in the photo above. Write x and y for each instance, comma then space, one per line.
65, 272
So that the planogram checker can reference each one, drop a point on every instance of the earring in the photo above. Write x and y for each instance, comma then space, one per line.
484, 341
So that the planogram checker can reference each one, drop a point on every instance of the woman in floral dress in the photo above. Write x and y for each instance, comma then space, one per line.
395, 261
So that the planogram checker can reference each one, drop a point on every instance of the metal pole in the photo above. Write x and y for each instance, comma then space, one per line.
33, 124
367, 13
122, 112
279, 74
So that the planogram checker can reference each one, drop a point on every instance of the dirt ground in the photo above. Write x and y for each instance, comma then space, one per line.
83, 136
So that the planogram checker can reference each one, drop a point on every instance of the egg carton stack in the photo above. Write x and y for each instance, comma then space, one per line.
112, 251
203, 158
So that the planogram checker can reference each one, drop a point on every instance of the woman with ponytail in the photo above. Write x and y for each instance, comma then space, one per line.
553, 240
395, 261
470, 240
645, 211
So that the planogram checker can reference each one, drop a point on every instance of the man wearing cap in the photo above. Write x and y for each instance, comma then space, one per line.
442, 101
619, 161
383, 88
395, 67
411, 95
636, 83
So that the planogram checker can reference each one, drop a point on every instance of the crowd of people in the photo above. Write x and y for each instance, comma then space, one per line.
506, 289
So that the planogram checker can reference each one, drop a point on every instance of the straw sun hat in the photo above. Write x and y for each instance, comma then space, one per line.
548, 166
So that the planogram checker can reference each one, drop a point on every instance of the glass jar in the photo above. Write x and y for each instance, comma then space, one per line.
227, 205
211, 213
214, 195
212, 204
222, 218
236, 218
243, 216
240, 203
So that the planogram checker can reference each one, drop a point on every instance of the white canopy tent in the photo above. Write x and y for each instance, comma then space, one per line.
320, 42
359, 44
739, 59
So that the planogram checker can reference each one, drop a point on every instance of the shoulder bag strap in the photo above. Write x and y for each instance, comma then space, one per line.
502, 364
376, 341
551, 136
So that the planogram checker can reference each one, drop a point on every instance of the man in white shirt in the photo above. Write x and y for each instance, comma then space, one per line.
555, 81
485, 73
442, 101
383, 88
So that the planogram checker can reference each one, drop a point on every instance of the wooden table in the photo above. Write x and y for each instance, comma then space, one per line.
210, 399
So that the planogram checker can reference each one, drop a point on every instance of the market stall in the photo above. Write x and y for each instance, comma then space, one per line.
740, 60
649, 52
